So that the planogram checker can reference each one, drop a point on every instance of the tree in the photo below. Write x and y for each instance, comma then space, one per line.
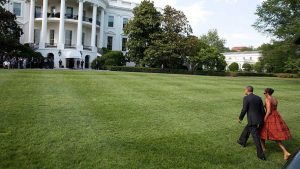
145, 23
205, 57
213, 39
279, 18
10, 31
247, 67
234, 67
192, 59
167, 48
276, 55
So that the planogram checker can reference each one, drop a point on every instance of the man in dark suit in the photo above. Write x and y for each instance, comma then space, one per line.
253, 107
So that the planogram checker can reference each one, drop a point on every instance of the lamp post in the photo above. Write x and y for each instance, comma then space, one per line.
60, 61
59, 53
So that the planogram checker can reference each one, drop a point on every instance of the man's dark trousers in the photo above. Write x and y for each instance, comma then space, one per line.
254, 130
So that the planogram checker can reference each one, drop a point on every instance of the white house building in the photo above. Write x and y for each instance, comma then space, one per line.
72, 30
241, 58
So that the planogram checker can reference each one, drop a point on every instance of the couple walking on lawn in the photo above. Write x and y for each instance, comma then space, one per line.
264, 122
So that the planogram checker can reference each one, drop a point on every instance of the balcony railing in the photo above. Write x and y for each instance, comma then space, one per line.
70, 46
50, 45
87, 48
67, 16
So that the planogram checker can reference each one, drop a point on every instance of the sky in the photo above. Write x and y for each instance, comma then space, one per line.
232, 18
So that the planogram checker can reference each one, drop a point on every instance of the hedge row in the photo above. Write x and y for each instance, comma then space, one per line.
183, 71
148, 70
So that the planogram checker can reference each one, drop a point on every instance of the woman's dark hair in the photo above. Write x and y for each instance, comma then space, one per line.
270, 91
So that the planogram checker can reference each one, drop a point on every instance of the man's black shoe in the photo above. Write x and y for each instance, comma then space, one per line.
263, 158
240, 143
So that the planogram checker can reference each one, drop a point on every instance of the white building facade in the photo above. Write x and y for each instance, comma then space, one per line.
72, 31
241, 58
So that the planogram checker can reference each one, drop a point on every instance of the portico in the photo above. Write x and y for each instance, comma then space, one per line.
53, 27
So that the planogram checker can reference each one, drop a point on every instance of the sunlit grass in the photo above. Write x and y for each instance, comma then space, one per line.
89, 119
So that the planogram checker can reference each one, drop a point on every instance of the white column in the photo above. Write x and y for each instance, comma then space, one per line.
102, 29
61, 36
43, 36
79, 26
31, 22
93, 38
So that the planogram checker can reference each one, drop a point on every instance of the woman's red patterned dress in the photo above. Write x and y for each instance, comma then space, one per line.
274, 127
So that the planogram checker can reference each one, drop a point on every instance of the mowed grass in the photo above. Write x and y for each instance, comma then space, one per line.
90, 119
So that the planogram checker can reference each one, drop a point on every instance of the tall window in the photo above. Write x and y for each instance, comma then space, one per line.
111, 21
68, 38
109, 42
36, 37
83, 15
52, 37
69, 12
83, 38
125, 21
38, 12
96, 41
17, 8
124, 44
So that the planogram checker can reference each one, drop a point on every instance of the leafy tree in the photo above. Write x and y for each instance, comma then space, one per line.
205, 57
276, 55
10, 32
213, 39
192, 59
247, 67
167, 48
146, 22
234, 67
280, 18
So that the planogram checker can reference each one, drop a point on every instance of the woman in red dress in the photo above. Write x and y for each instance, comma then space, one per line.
274, 127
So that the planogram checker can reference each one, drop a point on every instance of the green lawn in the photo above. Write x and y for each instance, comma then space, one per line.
88, 119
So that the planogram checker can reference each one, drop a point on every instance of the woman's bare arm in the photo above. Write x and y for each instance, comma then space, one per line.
268, 108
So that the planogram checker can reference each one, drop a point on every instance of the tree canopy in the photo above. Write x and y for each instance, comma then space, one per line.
167, 47
165, 40
280, 19
213, 39
146, 22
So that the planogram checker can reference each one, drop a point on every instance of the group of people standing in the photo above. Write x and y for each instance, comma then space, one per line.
19, 63
264, 122
23, 63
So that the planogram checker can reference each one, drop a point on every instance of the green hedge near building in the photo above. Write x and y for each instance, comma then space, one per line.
205, 73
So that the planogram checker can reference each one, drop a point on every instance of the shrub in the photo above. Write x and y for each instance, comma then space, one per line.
112, 58
148, 70
247, 67
258, 67
205, 73
234, 67
287, 75
255, 74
